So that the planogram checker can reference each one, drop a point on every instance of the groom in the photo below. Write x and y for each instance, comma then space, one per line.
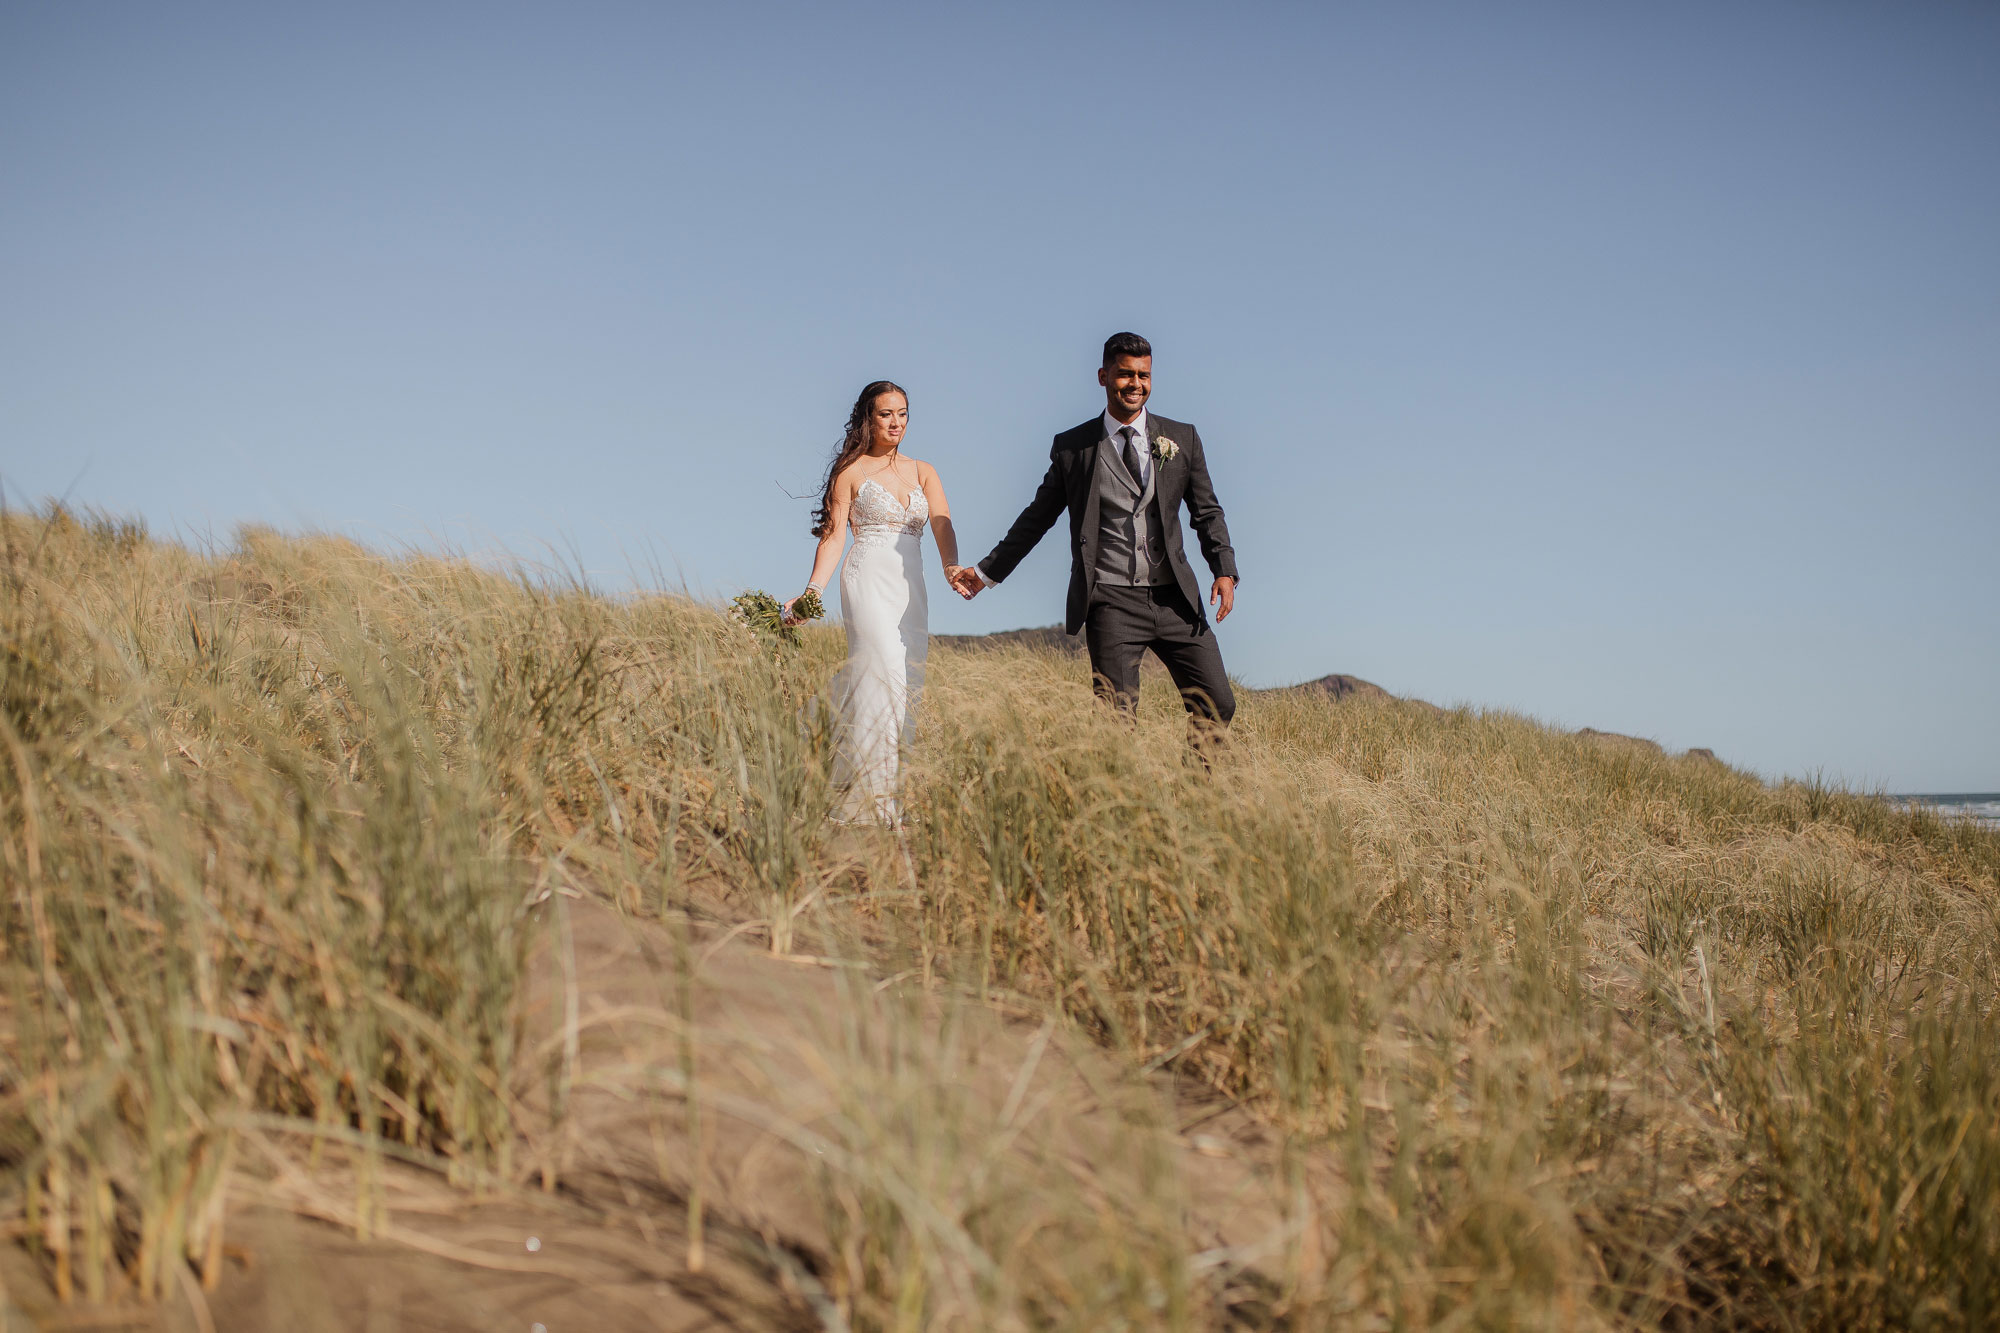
1123, 477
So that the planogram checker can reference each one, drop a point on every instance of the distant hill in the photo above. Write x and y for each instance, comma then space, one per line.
1350, 687
1050, 638
1345, 687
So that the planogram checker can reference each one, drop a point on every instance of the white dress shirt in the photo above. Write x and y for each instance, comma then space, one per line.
1112, 425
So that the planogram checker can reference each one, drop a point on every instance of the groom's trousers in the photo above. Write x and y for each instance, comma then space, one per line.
1123, 622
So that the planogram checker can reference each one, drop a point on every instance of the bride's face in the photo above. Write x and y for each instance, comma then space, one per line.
892, 418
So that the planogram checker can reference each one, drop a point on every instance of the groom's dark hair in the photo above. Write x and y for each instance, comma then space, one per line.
1125, 344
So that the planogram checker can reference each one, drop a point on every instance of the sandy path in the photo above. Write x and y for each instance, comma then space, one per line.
792, 1056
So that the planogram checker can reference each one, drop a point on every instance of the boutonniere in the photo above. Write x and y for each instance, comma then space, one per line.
1164, 448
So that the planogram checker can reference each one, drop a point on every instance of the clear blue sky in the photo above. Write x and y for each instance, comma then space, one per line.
1634, 366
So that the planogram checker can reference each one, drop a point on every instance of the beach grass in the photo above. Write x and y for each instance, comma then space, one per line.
1544, 1031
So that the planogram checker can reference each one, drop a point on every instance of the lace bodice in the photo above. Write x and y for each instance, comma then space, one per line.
877, 519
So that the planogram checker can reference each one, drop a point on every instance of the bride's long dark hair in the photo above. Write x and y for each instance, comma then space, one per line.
860, 431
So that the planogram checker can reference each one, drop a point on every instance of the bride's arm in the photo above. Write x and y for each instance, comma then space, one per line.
826, 558
947, 536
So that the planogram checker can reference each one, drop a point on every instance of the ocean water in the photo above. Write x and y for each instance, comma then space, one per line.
1982, 807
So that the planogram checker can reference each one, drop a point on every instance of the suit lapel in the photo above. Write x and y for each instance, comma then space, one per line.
1160, 466
1086, 473
1119, 469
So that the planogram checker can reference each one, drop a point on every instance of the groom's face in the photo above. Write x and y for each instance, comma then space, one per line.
1127, 382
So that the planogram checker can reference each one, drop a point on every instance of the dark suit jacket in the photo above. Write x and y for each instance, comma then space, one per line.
1070, 484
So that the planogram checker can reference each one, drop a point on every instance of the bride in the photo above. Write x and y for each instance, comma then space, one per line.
885, 497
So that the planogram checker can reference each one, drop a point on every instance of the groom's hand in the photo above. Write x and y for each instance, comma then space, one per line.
1223, 598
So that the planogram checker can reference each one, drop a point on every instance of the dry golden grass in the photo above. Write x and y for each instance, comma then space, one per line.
1544, 1031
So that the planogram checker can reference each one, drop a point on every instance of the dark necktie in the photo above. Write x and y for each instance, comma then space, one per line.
1132, 454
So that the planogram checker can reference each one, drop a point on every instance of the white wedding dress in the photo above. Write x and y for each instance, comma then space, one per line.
887, 615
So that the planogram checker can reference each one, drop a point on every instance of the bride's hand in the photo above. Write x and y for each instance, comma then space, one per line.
785, 616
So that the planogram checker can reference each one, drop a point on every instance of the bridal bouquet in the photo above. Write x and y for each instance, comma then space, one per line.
765, 614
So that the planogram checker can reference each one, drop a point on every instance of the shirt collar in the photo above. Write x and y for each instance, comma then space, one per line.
1112, 425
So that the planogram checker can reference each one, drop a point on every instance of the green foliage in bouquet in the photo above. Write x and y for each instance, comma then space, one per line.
766, 614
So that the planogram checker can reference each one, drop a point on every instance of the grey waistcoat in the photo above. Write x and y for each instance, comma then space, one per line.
1129, 550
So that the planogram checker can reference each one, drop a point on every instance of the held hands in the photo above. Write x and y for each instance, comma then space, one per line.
1223, 597
964, 579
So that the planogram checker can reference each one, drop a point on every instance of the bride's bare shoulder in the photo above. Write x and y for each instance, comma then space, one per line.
846, 480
